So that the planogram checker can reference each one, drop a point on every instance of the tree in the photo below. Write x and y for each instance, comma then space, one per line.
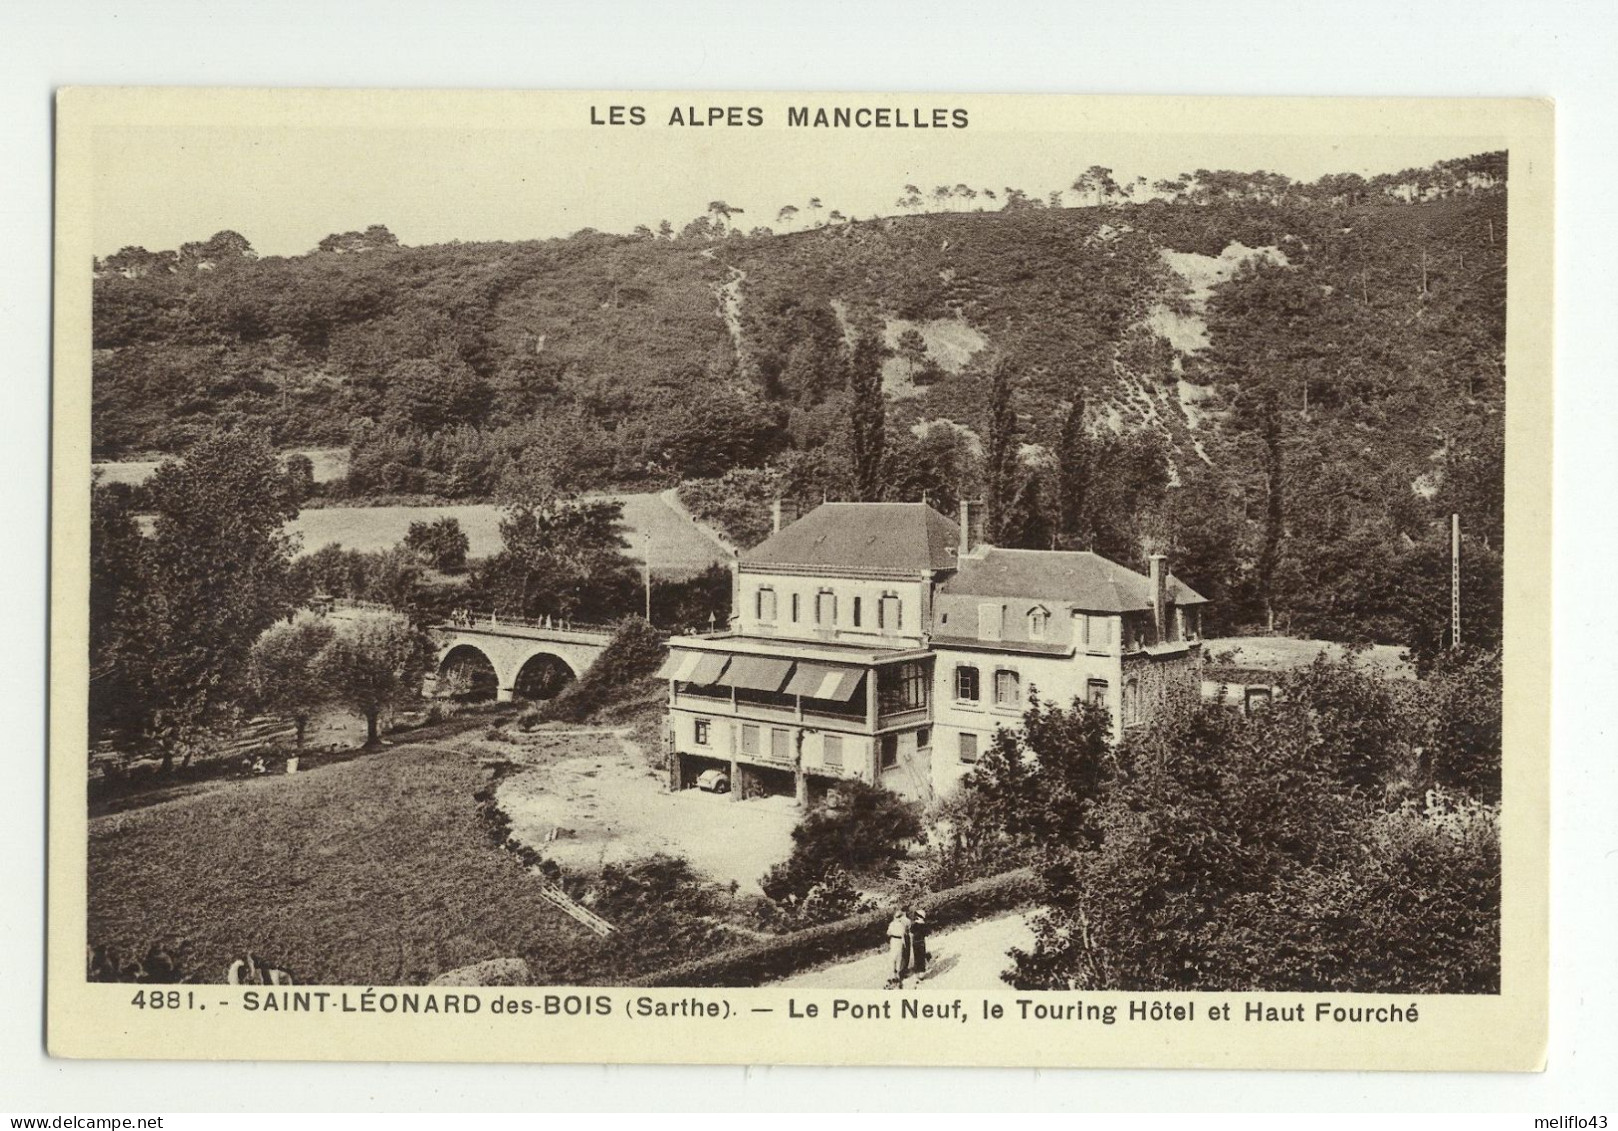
721, 213
787, 216
372, 664
1461, 712
441, 542
282, 675
1234, 854
912, 347
562, 557
300, 473
219, 574
221, 250
867, 830
120, 695
1040, 783
1073, 476
374, 238
1000, 472
867, 416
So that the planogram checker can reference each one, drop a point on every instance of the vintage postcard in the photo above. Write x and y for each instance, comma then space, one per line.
801, 579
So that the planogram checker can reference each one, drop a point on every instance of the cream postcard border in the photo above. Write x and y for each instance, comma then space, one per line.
1497, 1032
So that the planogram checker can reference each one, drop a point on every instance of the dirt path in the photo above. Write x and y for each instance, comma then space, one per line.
969, 957
610, 808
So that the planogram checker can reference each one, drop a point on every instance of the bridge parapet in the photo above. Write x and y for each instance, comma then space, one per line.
539, 629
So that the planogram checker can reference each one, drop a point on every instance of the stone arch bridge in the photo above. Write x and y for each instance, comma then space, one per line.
513, 657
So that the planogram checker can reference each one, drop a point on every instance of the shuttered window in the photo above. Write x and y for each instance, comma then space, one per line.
832, 751
1007, 688
966, 684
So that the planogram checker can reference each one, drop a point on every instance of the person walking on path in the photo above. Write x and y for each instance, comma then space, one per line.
899, 949
918, 942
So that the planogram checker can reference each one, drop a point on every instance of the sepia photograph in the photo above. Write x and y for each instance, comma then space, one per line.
801, 543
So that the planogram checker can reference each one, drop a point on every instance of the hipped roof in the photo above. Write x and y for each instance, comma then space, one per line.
1075, 577
909, 537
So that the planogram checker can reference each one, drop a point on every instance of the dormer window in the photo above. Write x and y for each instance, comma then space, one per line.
1038, 618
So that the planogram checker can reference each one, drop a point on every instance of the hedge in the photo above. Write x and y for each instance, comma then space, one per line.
770, 961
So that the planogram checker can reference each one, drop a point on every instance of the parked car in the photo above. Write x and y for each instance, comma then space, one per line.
714, 781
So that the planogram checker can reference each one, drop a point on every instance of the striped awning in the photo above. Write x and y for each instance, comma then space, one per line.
822, 681
756, 673
700, 668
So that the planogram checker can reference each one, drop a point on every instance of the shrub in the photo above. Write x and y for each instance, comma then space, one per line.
868, 828
759, 963
631, 656
1463, 712
442, 543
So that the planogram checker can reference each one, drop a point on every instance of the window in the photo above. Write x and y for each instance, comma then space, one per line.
1095, 693
781, 745
889, 614
699, 732
826, 608
765, 604
1131, 701
1098, 632
1036, 623
991, 622
924, 738
966, 684
1258, 699
1007, 688
890, 751
856, 612
832, 751
750, 740
969, 747
794, 608
901, 687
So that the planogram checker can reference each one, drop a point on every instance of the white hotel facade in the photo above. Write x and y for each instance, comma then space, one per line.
870, 641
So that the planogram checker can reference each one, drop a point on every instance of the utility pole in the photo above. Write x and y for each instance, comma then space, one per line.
1454, 581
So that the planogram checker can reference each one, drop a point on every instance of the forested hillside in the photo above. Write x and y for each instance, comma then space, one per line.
1287, 387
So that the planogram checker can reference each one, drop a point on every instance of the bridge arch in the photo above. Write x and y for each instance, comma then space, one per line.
542, 675
528, 660
466, 672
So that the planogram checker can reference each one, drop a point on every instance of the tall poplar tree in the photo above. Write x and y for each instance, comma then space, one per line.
867, 416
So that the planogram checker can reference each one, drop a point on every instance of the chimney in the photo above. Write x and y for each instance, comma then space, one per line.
775, 515
1160, 584
966, 528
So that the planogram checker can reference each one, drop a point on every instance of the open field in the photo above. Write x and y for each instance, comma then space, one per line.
679, 547
1283, 653
377, 870
330, 463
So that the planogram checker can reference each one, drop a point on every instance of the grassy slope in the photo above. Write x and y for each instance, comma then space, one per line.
371, 871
